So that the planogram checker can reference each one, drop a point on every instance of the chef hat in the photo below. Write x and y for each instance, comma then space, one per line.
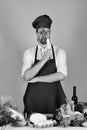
42, 21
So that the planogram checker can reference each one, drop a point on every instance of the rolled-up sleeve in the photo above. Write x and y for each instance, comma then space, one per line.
61, 62
28, 59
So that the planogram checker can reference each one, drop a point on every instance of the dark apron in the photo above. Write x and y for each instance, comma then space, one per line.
43, 97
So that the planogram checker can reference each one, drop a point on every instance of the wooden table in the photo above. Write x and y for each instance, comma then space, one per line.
8, 127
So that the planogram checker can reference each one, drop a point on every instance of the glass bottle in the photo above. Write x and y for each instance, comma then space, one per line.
74, 97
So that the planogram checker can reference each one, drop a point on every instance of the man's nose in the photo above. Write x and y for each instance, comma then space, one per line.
44, 33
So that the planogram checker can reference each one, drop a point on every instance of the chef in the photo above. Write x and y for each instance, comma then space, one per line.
44, 67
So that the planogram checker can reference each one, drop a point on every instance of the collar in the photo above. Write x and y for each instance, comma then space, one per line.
41, 48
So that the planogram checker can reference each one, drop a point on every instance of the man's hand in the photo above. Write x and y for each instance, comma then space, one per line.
47, 55
33, 80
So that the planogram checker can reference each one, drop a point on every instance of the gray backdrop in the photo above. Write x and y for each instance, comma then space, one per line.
69, 31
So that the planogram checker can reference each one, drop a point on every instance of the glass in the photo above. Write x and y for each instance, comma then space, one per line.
43, 32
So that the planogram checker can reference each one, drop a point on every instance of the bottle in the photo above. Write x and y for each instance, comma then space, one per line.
74, 97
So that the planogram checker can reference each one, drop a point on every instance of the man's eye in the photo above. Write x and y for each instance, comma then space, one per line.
40, 32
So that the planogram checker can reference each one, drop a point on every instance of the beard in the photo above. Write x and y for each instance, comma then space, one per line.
43, 40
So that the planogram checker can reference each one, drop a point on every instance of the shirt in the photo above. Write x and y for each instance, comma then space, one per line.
60, 58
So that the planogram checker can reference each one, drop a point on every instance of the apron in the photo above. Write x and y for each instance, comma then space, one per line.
43, 97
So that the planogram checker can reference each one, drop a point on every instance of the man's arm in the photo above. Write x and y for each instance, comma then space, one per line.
58, 76
31, 72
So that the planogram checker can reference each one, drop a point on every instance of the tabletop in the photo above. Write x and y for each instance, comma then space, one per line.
8, 127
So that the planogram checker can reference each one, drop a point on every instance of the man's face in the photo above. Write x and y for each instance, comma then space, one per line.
42, 35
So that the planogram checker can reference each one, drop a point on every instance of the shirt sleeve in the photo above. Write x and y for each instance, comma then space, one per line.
28, 59
61, 61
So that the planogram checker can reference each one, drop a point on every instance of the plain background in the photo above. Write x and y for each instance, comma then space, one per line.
69, 31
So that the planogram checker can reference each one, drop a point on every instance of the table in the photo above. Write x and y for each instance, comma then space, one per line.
8, 127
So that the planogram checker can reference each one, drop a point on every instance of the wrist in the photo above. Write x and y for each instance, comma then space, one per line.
38, 79
44, 61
